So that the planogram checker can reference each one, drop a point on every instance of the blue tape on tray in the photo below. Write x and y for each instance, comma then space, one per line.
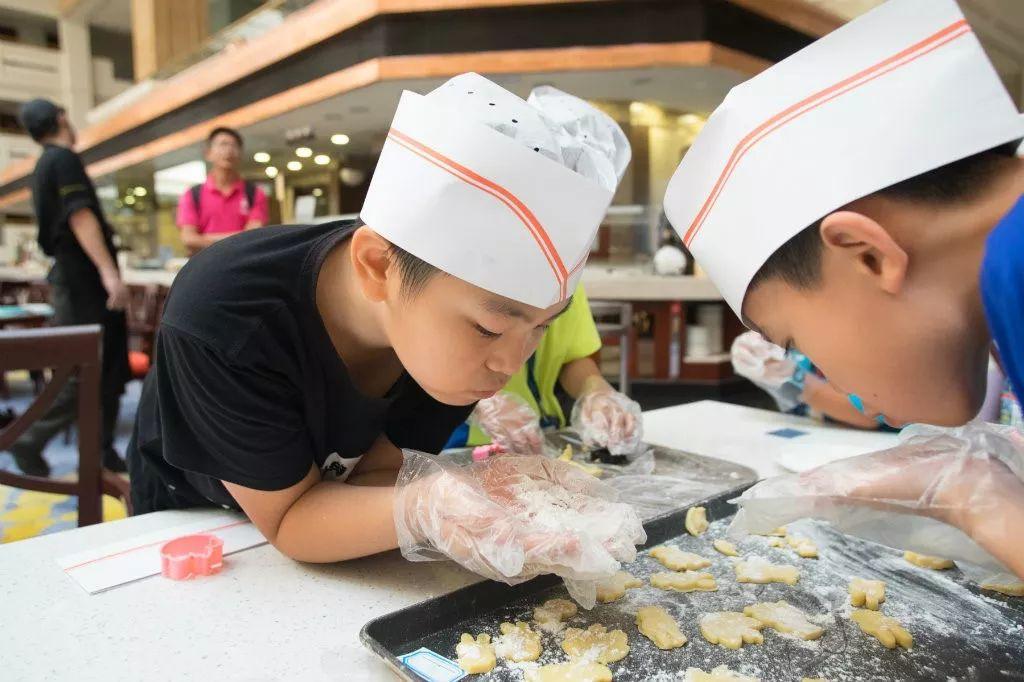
787, 433
432, 667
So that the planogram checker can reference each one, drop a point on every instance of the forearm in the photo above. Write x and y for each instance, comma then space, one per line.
581, 376
89, 234
820, 396
195, 242
337, 521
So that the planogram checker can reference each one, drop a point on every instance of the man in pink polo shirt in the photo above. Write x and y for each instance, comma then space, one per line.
225, 204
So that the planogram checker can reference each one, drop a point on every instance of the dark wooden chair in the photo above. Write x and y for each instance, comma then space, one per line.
145, 308
66, 351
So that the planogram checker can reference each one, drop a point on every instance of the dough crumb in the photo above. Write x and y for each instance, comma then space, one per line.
614, 588
886, 630
925, 561
696, 521
596, 643
761, 572
475, 655
518, 643
687, 581
575, 671
658, 626
678, 560
785, 618
867, 593
730, 629
725, 547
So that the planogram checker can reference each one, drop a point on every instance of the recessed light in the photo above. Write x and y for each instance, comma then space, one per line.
271, 171
303, 152
261, 157
321, 159
294, 165
339, 139
139, 191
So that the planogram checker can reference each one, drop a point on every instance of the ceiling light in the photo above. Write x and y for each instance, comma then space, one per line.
321, 159
271, 171
139, 191
294, 166
303, 152
261, 157
339, 139
317, 192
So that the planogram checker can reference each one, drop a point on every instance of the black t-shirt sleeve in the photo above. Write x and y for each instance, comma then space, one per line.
237, 423
74, 187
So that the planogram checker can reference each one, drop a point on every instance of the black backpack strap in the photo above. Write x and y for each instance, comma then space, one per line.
196, 191
250, 193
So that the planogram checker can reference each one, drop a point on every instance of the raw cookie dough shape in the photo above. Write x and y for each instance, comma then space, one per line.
777, 532
687, 581
566, 456
883, 628
731, 629
719, 674
658, 626
867, 593
475, 655
613, 588
924, 561
678, 560
761, 572
696, 521
1005, 585
554, 611
596, 642
575, 671
518, 643
779, 543
783, 617
803, 546
725, 547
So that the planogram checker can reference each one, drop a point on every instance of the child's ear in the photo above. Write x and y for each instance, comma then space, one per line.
370, 254
867, 247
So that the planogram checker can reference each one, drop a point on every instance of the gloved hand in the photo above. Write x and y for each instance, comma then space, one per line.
511, 518
605, 418
769, 368
952, 493
510, 422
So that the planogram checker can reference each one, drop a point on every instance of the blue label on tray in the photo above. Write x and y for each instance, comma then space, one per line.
787, 433
432, 667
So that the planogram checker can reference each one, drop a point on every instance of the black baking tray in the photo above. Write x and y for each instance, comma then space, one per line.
960, 632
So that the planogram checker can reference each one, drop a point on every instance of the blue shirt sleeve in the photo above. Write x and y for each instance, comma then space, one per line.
1002, 292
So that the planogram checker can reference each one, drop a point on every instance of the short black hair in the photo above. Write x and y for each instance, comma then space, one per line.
225, 131
798, 261
40, 118
415, 271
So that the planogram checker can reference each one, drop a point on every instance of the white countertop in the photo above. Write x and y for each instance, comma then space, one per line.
266, 617
601, 282
636, 284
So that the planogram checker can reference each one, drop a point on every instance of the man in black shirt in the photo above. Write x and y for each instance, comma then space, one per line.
86, 283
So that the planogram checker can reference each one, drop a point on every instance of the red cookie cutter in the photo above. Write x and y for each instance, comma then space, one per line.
482, 452
192, 555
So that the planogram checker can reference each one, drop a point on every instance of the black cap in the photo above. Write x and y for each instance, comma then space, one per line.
39, 117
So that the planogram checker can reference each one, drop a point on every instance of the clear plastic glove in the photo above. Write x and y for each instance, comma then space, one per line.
605, 418
510, 422
769, 368
943, 492
512, 518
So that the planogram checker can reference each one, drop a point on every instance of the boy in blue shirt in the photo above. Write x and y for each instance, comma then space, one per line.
861, 201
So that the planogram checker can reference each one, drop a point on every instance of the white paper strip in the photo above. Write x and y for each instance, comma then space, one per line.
102, 568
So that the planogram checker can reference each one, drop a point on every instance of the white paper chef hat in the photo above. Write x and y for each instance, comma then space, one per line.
503, 193
899, 91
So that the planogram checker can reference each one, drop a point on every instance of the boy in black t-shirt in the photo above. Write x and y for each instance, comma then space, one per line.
293, 365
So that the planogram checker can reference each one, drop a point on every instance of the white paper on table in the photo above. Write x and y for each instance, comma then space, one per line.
118, 563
